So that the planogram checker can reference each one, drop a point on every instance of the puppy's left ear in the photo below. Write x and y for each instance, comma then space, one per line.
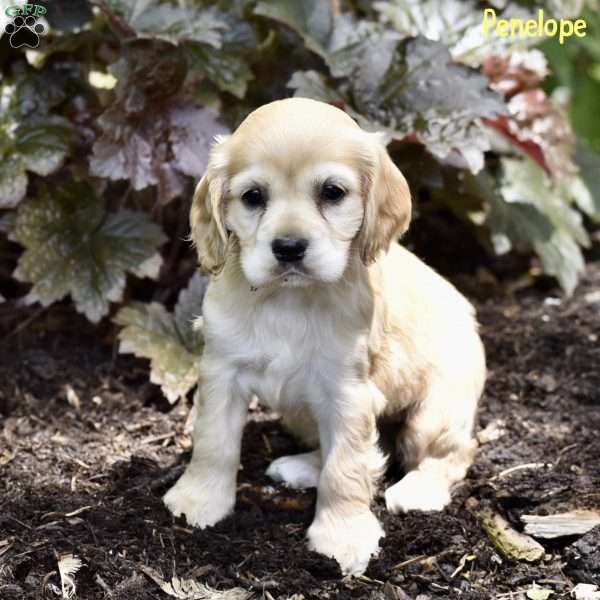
387, 207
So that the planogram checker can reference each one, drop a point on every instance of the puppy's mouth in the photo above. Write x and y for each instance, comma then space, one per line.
296, 275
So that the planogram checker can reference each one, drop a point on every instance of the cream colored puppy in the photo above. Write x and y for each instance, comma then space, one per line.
316, 309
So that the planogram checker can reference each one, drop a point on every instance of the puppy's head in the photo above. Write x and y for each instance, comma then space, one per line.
296, 189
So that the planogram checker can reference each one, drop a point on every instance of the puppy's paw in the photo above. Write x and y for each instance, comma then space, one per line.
203, 505
299, 471
417, 491
350, 540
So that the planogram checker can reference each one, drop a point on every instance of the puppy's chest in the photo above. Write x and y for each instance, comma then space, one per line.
288, 351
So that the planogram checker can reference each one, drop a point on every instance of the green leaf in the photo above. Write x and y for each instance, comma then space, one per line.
43, 144
13, 181
67, 15
28, 141
74, 247
311, 19
524, 182
312, 84
170, 340
226, 69
455, 23
158, 20
351, 47
589, 166
432, 81
414, 88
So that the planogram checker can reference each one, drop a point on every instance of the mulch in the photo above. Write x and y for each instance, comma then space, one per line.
88, 447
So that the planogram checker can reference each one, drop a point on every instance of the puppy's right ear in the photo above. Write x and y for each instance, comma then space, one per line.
207, 215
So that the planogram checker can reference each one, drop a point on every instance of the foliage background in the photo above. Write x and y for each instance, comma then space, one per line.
105, 127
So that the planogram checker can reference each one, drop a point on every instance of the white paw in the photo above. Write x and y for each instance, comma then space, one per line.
299, 471
203, 501
417, 491
350, 540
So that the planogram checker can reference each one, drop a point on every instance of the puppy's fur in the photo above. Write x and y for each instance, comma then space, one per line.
357, 334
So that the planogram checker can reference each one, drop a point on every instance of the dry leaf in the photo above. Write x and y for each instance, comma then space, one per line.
188, 589
68, 565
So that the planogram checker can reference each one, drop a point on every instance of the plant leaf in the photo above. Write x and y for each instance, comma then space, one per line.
156, 149
312, 84
68, 565
589, 165
43, 143
72, 246
13, 181
525, 182
67, 15
455, 23
227, 69
189, 589
169, 340
150, 136
414, 89
29, 141
311, 19
535, 592
154, 19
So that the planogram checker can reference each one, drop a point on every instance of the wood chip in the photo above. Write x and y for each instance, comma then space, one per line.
577, 522
72, 397
393, 592
492, 432
508, 541
585, 591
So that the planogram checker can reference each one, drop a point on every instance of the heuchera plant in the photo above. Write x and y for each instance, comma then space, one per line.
105, 127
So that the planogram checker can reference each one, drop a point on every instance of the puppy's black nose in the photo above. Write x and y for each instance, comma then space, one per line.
289, 249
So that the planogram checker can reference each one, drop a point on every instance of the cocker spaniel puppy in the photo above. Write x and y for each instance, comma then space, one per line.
313, 307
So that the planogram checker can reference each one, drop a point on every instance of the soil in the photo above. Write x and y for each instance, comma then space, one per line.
88, 447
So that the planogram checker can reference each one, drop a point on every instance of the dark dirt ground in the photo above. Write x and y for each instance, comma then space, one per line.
83, 471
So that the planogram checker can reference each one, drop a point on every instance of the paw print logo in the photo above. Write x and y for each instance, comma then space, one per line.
25, 31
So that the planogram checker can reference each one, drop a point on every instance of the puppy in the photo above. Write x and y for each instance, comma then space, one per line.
313, 307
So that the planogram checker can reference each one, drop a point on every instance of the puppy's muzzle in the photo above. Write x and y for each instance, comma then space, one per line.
289, 249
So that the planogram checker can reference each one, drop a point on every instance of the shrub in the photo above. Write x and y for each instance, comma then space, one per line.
105, 127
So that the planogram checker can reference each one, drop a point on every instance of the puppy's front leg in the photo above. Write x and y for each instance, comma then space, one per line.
344, 526
205, 493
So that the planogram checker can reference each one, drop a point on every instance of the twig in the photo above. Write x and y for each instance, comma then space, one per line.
104, 586
267, 445
369, 580
410, 561
24, 324
516, 468
157, 438
61, 515
19, 522
5, 548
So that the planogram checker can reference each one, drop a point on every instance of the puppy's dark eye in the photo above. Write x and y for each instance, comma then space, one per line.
330, 192
254, 198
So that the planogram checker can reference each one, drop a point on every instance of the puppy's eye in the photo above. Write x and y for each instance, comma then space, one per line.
330, 192
253, 198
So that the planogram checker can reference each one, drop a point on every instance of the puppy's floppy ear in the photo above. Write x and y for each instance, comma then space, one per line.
387, 207
207, 214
